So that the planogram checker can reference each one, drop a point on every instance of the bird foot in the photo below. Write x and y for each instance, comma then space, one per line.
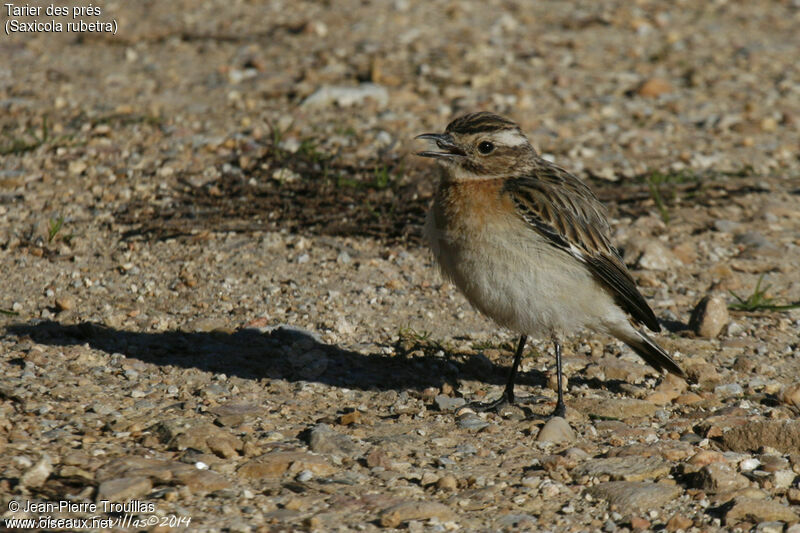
561, 410
507, 399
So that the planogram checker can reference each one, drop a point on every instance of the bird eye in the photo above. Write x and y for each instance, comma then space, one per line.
485, 147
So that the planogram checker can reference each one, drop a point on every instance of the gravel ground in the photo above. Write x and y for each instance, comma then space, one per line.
217, 305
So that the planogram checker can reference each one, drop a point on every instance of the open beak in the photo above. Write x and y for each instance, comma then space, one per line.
445, 142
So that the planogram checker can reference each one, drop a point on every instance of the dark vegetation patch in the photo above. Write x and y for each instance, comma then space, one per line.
316, 193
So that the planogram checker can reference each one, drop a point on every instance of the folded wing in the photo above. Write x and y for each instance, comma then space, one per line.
564, 210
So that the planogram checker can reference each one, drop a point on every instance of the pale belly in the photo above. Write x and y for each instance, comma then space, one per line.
514, 276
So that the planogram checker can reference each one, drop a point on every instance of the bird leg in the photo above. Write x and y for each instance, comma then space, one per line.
508, 398
561, 408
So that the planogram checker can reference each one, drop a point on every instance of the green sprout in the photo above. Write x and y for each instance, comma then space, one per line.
55, 227
19, 146
382, 178
759, 300
408, 332
655, 180
655, 193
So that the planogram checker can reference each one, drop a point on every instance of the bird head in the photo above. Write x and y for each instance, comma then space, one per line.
479, 146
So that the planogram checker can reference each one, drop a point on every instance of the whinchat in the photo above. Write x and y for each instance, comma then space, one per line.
529, 245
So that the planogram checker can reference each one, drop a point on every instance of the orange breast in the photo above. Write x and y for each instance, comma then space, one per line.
472, 206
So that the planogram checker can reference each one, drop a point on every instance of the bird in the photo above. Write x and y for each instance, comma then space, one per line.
529, 246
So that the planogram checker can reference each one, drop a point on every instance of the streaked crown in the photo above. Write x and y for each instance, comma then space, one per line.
480, 122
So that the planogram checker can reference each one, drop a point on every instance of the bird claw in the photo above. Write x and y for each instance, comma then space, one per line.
561, 410
504, 400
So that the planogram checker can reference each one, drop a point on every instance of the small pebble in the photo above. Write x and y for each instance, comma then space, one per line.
729, 389
472, 422
790, 395
556, 430
447, 482
709, 316
446, 403
748, 465
64, 303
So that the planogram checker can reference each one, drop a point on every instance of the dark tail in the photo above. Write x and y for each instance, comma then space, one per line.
651, 352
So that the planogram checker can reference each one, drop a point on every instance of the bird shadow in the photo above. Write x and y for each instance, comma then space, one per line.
282, 353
